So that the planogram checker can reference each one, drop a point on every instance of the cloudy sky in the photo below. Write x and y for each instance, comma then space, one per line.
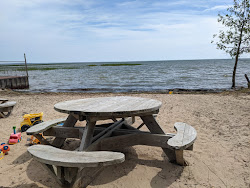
109, 30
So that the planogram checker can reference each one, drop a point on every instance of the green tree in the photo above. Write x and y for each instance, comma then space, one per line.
236, 40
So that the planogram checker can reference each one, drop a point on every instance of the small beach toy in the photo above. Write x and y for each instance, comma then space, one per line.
33, 140
4, 148
30, 120
15, 137
1, 154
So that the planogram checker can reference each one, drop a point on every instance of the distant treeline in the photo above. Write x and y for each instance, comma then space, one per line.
44, 67
120, 64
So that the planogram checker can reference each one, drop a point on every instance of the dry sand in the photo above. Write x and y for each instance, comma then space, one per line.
220, 157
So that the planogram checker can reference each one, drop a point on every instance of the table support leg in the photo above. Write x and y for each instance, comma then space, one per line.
87, 135
70, 122
86, 176
154, 127
41, 139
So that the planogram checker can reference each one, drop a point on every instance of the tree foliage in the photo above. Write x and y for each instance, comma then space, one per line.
237, 20
236, 40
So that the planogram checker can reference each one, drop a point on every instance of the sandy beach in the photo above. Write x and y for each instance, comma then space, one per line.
220, 157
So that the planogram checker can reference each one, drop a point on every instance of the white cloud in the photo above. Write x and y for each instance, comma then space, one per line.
217, 8
60, 30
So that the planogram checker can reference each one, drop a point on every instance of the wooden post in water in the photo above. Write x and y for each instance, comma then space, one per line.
26, 68
26, 65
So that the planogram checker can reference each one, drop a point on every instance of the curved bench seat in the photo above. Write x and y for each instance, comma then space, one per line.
58, 157
41, 127
6, 108
184, 137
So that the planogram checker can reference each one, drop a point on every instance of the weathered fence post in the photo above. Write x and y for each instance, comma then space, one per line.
26, 68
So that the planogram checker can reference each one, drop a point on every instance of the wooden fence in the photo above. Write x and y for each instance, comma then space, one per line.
11, 77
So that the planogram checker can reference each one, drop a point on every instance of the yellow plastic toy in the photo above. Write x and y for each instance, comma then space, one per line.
1, 155
31, 119
33, 140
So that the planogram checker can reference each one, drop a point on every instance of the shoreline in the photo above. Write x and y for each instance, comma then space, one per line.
166, 91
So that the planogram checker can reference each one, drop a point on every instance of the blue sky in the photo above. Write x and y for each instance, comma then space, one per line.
109, 30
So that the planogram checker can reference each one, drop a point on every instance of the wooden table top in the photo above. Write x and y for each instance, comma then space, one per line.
121, 106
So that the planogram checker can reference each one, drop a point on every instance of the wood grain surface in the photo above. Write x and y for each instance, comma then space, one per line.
54, 156
109, 106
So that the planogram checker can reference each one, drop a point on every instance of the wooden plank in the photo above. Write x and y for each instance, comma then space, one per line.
3, 100
142, 124
70, 122
60, 174
179, 157
70, 173
185, 136
118, 142
72, 132
117, 115
87, 135
63, 132
51, 172
41, 127
5, 114
41, 139
13, 82
7, 106
128, 123
154, 127
54, 156
86, 176
112, 107
108, 131
26, 68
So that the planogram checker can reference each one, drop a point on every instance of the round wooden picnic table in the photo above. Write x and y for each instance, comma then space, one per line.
120, 106
97, 141
94, 109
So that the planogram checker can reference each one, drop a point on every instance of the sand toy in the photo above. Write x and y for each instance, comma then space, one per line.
4, 148
1, 154
15, 137
33, 140
31, 119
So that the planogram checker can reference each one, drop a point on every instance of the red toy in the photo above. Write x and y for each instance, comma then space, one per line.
4, 148
15, 137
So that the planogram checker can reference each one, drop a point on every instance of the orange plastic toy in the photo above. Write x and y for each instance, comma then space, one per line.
4, 148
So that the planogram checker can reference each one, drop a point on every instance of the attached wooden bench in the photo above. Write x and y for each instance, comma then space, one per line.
176, 143
184, 139
50, 128
68, 164
78, 168
41, 127
3, 100
6, 107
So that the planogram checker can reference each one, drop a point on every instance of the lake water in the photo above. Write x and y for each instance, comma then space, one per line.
146, 76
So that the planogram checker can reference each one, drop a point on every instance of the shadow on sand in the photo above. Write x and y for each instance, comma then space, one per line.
169, 172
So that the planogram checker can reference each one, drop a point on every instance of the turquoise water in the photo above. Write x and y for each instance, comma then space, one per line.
143, 76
